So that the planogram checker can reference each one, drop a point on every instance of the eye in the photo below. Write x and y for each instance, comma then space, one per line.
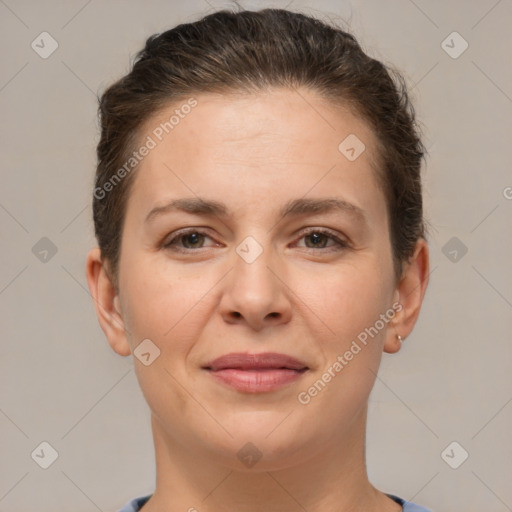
194, 239
186, 240
319, 239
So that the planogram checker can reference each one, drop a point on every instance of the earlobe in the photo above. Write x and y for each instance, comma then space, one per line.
106, 303
393, 345
410, 292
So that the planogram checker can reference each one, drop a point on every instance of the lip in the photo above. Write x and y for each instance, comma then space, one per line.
256, 373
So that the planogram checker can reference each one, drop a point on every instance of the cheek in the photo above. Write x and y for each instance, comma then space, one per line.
349, 305
156, 295
168, 311
347, 298
167, 306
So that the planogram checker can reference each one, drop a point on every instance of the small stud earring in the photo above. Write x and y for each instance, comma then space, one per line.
399, 338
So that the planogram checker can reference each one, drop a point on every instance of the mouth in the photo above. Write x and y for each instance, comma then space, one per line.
256, 373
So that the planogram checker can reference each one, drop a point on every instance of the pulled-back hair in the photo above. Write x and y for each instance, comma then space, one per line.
253, 51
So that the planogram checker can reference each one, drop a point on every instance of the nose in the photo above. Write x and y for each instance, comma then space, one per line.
256, 294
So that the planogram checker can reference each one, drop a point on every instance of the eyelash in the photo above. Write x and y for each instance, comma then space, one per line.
341, 244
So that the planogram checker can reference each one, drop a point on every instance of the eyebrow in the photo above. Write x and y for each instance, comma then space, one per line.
295, 207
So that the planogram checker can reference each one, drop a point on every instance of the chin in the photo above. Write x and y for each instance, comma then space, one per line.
263, 442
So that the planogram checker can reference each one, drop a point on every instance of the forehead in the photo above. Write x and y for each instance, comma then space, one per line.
278, 119
242, 145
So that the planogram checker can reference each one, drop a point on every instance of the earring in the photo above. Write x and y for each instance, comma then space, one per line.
399, 338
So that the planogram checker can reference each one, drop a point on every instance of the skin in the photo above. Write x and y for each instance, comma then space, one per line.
254, 153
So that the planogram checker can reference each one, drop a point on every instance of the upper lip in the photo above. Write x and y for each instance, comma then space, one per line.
245, 361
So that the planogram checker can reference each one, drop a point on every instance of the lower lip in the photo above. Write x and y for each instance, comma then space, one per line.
256, 381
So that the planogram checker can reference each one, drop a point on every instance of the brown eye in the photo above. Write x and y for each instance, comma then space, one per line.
318, 240
187, 241
192, 240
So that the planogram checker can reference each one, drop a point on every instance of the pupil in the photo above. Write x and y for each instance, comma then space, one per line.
317, 238
195, 238
192, 239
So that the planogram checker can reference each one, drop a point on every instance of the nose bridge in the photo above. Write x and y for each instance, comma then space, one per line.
254, 293
251, 272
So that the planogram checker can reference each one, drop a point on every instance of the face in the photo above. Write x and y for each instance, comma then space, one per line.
248, 231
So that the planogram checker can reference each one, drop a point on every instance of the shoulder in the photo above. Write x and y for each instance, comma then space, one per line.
408, 506
136, 504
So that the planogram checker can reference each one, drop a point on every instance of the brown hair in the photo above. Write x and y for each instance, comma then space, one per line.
251, 51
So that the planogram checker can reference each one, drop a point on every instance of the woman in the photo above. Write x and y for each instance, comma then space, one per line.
258, 212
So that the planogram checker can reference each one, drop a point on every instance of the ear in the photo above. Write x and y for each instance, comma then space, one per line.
409, 294
106, 302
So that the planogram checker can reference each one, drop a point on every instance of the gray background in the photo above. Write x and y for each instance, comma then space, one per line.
61, 383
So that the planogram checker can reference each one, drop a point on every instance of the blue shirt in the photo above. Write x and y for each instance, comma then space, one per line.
136, 504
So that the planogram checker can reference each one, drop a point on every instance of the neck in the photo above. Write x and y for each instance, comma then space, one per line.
335, 479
